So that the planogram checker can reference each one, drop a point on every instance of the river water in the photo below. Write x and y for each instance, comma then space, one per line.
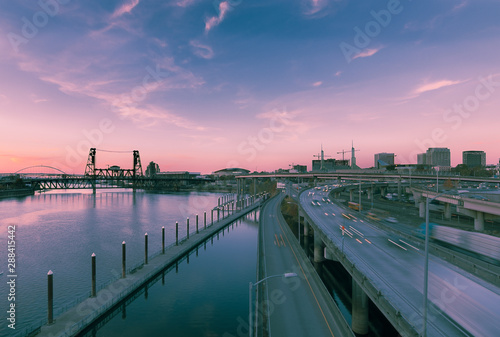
59, 231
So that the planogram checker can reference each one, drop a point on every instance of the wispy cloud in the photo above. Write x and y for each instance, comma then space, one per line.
201, 50
125, 8
185, 3
125, 93
367, 53
314, 6
148, 116
434, 86
460, 5
290, 123
317, 84
216, 20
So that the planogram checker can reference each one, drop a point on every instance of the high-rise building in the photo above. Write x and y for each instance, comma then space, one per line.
438, 156
474, 158
421, 159
383, 159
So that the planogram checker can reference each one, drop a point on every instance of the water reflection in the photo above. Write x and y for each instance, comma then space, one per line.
60, 231
206, 295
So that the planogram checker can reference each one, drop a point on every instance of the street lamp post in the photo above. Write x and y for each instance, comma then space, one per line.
426, 263
251, 285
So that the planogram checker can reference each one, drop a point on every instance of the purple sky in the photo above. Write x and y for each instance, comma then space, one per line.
202, 85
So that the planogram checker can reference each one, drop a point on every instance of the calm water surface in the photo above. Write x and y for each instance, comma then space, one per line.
206, 297
60, 231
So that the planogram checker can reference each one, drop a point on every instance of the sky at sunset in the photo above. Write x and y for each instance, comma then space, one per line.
200, 85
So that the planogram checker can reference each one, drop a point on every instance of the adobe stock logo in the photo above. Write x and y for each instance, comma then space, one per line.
30, 28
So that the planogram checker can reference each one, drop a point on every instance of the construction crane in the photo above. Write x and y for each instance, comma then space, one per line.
344, 152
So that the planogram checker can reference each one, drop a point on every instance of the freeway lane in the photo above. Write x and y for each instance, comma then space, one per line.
395, 267
300, 306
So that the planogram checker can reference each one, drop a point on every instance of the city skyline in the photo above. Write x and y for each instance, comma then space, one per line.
200, 86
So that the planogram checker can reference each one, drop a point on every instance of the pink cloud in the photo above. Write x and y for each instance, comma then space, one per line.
435, 85
125, 8
367, 53
216, 20
315, 6
185, 3
202, 50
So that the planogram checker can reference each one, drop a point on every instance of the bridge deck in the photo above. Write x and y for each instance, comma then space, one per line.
390, 271
79, 317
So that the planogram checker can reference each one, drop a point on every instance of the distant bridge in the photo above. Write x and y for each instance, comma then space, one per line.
111, 177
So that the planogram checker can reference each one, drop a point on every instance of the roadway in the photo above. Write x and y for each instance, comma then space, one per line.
460, 304
300, 306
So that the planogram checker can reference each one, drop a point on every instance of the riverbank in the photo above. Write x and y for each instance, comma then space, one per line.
17, 192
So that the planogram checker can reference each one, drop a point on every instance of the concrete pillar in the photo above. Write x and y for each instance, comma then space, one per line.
370, 193
351, 195
479, 221
447, 211
329, 255
399, 189
337, 195
359, 309
421, 209
93, 291
319, 249
383, 191
50, 297
306, 228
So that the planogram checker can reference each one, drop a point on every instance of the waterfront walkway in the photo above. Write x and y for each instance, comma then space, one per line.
84, 314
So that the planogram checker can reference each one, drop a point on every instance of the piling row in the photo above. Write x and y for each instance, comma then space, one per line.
79, 317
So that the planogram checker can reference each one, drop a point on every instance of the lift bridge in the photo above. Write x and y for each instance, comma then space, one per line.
111, 177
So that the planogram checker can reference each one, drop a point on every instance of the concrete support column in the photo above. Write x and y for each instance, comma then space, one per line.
351, 195
359, 310
306, 228
399, 189
447, 211
319, 249
337, 195
383, 191
421, 209
479, 221
329, 255
370, 193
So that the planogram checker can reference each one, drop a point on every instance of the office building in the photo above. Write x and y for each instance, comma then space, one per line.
438, 156
383, 159
421, 159
474, 158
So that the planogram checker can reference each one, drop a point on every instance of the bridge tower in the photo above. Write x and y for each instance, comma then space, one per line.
137, 165
90, 168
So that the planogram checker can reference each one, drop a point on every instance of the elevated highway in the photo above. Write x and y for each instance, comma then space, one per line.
390, 272
297, 306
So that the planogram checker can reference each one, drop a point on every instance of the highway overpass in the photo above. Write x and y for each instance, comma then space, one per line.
390, 272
